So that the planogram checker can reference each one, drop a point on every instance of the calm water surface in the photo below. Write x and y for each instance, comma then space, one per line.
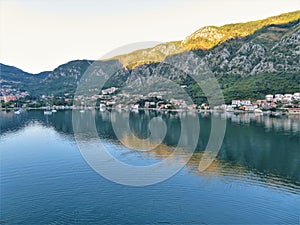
255, 178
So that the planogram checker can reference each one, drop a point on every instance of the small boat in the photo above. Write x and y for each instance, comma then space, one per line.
54, 110
82, 111
276, 114
258, 111
17, 112
47, 112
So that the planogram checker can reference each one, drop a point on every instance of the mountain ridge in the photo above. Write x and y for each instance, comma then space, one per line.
266, 61
205, 38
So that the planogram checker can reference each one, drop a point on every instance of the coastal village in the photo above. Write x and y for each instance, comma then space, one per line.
10, 94
12, 99
287, 102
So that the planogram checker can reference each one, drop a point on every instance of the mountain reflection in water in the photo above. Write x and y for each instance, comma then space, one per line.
254, 147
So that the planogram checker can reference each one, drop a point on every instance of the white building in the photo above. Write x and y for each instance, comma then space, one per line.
135, 107
287, 98
236, 103
147, 104
245, 102
278, 98
296, 96
269, 98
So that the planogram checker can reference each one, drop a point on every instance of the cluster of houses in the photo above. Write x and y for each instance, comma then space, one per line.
286, 98
7, 94
289, 101
110, 98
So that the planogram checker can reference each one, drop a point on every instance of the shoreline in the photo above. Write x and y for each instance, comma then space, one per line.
276, 113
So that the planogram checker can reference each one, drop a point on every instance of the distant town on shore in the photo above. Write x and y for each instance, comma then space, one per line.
110, 99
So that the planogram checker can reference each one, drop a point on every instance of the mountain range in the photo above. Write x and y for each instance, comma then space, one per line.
249, 60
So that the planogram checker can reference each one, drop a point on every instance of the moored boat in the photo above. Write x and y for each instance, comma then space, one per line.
47, 112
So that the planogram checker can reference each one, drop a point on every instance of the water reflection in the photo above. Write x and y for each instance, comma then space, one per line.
255, 147
289, 124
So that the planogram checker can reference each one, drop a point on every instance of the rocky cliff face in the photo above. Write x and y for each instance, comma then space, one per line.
251, 55
69, 72
205, 38
243, 56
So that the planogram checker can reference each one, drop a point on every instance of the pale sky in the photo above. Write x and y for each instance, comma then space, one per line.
39, 35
